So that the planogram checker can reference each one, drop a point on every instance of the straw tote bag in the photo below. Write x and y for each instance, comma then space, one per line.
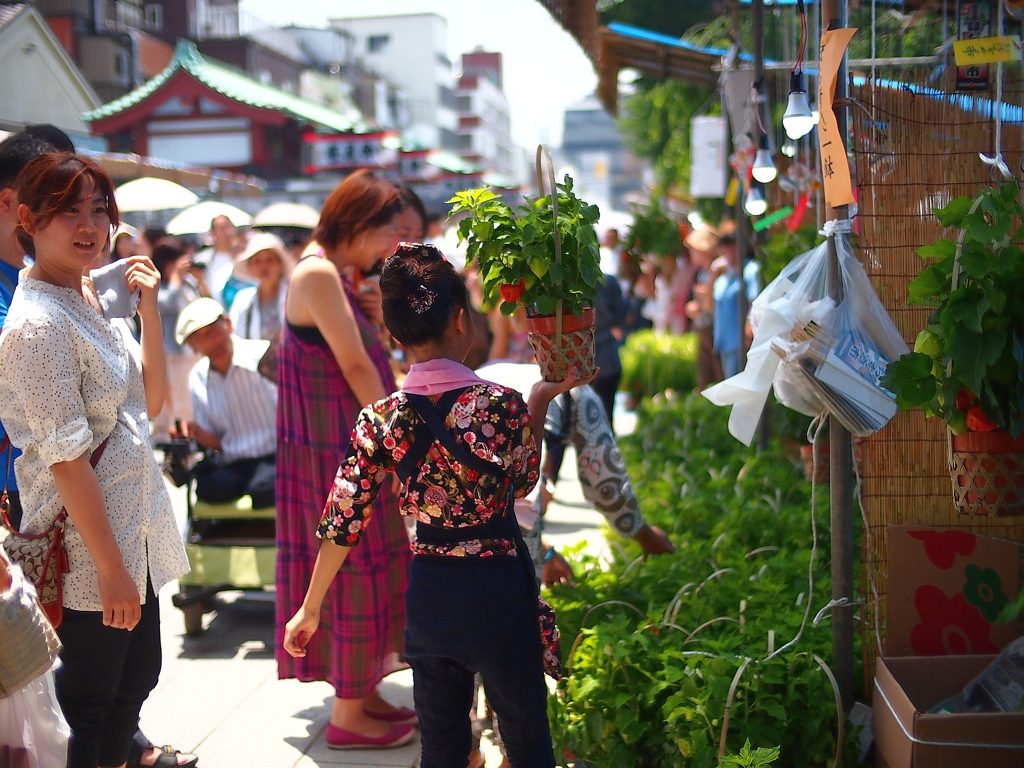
28, 643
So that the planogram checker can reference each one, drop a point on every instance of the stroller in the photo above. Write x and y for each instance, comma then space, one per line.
230, 546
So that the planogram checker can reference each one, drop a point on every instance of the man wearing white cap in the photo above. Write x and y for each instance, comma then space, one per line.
235, 408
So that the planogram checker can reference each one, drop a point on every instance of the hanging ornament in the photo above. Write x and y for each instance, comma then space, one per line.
798, 213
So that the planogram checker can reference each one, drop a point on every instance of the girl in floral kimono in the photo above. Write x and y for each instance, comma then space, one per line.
463, 449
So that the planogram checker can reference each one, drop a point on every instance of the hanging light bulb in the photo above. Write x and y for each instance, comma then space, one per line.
798, 120
764, 169
754, 203
789, 147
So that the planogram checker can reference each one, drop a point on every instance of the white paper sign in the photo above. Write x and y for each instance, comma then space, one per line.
707, 157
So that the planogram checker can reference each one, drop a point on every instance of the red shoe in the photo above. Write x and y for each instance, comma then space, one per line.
397, 735
401, 716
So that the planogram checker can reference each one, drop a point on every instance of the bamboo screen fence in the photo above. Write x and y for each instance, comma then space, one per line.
915, 149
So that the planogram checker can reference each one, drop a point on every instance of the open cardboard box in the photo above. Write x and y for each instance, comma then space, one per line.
905, 737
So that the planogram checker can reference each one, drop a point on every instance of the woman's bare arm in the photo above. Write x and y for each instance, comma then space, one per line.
316, 297
143, 276
77, 483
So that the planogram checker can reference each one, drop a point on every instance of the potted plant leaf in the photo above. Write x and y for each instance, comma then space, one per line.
526, 261
967, 366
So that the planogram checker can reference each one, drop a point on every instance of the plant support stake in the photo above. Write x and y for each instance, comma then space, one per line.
834, 15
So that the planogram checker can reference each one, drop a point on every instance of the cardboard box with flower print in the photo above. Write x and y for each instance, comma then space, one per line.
946, 591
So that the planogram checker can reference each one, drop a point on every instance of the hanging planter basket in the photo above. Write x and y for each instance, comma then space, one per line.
559, 349
987, 473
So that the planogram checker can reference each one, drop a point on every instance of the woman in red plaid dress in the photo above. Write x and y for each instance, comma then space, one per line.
330, 365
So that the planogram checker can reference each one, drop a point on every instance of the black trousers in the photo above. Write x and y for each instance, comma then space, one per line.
106, 675
606, 385
468, 615
219, 483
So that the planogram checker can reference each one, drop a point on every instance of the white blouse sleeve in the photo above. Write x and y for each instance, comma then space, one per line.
42, 368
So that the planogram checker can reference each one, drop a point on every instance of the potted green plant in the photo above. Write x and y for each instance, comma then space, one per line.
967, 366
525, 261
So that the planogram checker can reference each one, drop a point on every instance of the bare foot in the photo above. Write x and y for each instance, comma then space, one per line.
149, 757
374, 703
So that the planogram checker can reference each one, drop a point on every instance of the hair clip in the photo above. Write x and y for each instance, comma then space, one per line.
422, 299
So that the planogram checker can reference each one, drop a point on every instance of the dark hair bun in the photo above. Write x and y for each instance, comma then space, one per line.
421, 293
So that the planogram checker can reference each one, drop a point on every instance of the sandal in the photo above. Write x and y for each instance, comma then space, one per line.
168, 758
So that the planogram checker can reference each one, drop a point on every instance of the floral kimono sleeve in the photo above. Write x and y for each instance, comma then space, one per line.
525, 461
357, 483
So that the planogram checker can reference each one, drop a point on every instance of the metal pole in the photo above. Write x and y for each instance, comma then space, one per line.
840, 444
757, 25
744, 235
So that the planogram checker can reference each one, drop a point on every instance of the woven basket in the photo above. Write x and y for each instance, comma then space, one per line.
987, 473
556, 354
28, 643
560, 341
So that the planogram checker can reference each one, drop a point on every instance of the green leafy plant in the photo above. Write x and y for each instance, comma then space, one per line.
652, 646
515, 253
653, 363
654, 232
968, 363
762, 757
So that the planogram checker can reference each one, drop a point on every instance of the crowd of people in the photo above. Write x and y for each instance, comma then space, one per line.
697, 289
306, 371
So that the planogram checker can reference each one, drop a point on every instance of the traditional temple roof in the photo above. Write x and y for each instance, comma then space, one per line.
234, 85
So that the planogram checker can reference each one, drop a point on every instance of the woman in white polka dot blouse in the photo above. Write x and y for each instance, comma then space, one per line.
67, 384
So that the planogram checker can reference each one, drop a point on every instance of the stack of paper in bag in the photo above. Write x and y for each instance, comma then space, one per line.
846, 373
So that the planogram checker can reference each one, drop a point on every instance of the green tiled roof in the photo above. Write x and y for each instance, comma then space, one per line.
235, 85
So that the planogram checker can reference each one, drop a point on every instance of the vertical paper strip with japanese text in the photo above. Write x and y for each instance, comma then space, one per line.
835, 168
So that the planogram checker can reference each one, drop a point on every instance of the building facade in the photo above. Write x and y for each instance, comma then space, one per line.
484, 124
113, 42
605, 172
200, 112
49, 87
411, 51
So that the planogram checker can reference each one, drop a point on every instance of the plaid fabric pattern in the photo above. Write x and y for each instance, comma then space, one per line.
363, 617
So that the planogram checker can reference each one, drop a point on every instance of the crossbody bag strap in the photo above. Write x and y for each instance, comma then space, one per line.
5, 504
421, 446
63, 514
434, 422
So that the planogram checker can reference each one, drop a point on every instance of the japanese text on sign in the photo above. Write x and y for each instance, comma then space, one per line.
973, 23
987, 50
346, 151
835, 168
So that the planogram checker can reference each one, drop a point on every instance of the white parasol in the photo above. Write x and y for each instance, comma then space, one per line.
195, 219
297, 215
149, 194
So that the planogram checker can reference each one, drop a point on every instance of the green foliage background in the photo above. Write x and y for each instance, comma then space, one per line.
653, 363
646, 684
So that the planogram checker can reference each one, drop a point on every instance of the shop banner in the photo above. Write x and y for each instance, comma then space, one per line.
974, 21
337, 151
835, 167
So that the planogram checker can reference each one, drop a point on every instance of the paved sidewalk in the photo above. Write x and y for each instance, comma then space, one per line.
219, 696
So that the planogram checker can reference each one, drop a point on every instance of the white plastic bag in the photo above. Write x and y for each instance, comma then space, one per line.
33, 731
820, 355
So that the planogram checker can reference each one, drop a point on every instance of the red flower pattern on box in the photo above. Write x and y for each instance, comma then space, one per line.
949, 627
942, 547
